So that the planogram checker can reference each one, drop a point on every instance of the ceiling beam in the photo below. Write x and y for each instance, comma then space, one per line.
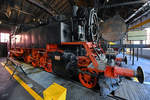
123, 4
145, 6
49, 11
140, 24
140, 17
71, 2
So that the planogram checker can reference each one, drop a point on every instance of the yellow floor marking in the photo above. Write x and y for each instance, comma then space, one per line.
23, 84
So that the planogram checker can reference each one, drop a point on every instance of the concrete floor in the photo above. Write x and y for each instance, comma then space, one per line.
39, 80
10, 89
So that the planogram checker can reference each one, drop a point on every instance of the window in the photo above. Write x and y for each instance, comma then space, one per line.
4, 37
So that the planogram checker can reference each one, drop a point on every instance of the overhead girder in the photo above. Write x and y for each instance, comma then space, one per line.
50, 11
143, 8
123, 4
140, 24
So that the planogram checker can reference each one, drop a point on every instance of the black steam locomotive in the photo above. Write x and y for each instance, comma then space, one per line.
77, 47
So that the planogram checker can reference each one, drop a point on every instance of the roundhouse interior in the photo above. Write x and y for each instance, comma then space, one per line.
74, 49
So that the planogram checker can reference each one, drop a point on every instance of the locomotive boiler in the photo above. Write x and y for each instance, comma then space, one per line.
77, 47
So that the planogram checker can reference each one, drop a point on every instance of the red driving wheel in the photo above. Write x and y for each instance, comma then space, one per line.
86, 79
48, 68
34, 64
43, 61
36, 59
28, 59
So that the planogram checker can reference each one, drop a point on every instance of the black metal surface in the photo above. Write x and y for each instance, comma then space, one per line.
130, 50
140, 74
117, 97
133, 57
54, 33
125, 60
35, 39
3, 50
123, 52
66, 66
137, 56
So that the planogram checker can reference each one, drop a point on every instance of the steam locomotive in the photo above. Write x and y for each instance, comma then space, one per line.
77, 47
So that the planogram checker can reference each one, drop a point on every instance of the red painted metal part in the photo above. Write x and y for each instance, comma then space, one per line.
110, 71
83, 61
35, 58
18, 52
38, 58
28, 59
34, 64
114, 72
86, 79
119, 59
53, 48
124, 72
43, 61
87, 46
46, 62
48, 66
